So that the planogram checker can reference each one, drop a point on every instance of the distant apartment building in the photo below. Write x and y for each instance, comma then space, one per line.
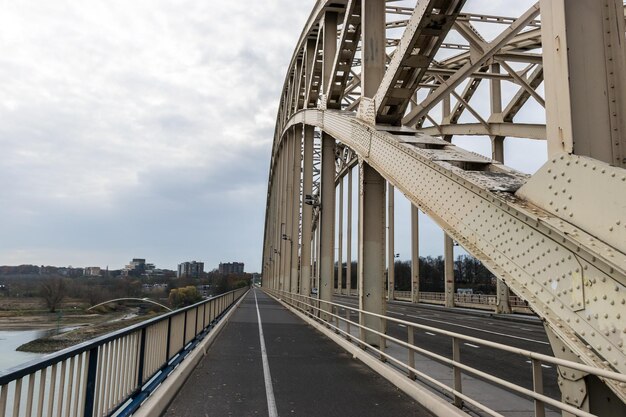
136, 267
92, 271
191, 269
231, 268
136, 263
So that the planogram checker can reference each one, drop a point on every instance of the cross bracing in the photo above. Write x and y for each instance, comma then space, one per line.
426, 73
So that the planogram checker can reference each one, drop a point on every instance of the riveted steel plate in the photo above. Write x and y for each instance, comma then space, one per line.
539, 255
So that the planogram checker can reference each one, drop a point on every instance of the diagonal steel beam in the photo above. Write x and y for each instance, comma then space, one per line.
428, 26
346, 49
471, 66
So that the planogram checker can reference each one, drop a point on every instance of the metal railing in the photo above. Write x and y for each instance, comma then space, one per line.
98, 377
316, 308
480, 301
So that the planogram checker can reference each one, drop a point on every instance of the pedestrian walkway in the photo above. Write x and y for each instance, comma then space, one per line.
302, 372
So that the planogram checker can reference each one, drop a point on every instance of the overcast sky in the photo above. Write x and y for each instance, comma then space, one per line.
140, 128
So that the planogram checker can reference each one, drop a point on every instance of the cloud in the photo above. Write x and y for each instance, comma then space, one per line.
139, 128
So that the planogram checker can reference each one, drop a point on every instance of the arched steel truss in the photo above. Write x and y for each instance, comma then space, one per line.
557, 238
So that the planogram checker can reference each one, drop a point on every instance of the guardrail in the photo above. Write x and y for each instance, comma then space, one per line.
479, 301
315, 309
120, 369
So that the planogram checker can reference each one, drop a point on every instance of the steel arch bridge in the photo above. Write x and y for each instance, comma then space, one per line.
383, 88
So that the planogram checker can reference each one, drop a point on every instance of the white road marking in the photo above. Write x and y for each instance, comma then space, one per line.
542, 365
432, 334
481, 330
401, 325
474, 328
269, 389
470, 345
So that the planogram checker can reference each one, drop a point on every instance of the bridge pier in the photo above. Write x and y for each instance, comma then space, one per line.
287, 236
371, 251
327, 223
391, 256
448, 259
349, 237
415, 255
340, 240
307, 213
295, 218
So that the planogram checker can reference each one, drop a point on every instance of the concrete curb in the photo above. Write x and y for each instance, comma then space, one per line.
156, 405
427, 399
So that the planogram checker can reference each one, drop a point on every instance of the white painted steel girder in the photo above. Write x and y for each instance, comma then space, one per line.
570, 265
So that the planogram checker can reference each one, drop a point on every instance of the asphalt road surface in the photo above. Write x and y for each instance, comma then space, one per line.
526, 334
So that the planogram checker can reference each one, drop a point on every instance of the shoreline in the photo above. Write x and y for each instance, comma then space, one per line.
82, 327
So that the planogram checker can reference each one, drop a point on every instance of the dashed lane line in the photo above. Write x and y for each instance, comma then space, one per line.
269, 389
481, 330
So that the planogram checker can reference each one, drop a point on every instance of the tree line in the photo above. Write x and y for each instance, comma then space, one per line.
469, 272
54, 289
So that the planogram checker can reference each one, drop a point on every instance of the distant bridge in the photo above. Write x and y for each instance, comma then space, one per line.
141, 300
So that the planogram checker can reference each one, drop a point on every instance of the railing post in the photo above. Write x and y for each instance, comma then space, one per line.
90, 387
382, 340
204, 316
169, 336
348, 323
456, 377
538, 388
184, 329
142, 353
411, 357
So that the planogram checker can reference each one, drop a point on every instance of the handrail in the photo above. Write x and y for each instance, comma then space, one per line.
105, 372
314, 307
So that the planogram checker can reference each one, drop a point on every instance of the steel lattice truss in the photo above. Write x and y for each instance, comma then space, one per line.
537, 233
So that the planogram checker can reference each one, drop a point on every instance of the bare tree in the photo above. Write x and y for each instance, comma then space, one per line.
53, 291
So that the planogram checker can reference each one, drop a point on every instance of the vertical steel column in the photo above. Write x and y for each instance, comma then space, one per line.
279, 219
371, 250
283, 216
327, 222
497, 142
585, 78
340, 242
295, 223
307, 213
497, 153
373, 45
289, 220
349, 237
316, 270
371, 257
415, 255
445, 109
330, 48
391, 255
449, 269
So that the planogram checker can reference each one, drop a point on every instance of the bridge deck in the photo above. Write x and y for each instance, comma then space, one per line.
310, 375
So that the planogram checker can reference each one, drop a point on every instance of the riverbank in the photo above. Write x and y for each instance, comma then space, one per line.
57, 342
30, 314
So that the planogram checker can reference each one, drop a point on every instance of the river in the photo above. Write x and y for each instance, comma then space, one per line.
11, 340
